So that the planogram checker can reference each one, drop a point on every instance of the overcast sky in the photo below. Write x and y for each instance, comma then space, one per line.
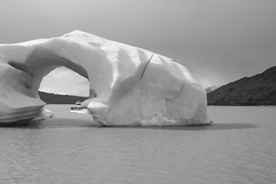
219, 41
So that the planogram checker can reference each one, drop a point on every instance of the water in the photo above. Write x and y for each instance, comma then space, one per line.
240, 147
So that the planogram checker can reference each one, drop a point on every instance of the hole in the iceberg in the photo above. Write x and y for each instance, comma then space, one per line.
63, 86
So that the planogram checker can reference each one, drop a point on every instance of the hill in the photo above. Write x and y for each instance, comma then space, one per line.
259, 89
50, 98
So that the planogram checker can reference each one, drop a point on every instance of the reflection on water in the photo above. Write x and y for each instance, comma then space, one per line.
238, 148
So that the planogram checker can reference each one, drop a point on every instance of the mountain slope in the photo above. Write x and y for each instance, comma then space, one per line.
50, 98
259, 89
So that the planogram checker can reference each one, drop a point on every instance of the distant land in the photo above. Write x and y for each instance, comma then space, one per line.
51, 98
259, 89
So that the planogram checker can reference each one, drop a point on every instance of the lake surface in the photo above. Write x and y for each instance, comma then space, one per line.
240, 147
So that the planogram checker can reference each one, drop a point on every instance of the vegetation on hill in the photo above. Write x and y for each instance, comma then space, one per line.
50, 98
259, 89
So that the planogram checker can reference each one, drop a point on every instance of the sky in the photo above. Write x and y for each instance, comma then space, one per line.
219, 41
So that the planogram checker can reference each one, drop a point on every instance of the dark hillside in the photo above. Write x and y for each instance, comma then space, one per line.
50, 98
259, 89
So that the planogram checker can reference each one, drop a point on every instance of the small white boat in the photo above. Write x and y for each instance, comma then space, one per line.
79, 109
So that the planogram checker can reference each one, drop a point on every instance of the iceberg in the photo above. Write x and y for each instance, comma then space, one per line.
129, 86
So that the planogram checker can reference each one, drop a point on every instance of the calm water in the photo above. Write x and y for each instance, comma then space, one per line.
240, 147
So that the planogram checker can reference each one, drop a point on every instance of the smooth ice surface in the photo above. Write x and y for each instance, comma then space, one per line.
128, 85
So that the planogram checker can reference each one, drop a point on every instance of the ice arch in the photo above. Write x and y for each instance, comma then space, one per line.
128, 85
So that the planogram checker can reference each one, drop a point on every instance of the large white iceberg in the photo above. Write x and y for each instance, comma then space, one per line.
128, 85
